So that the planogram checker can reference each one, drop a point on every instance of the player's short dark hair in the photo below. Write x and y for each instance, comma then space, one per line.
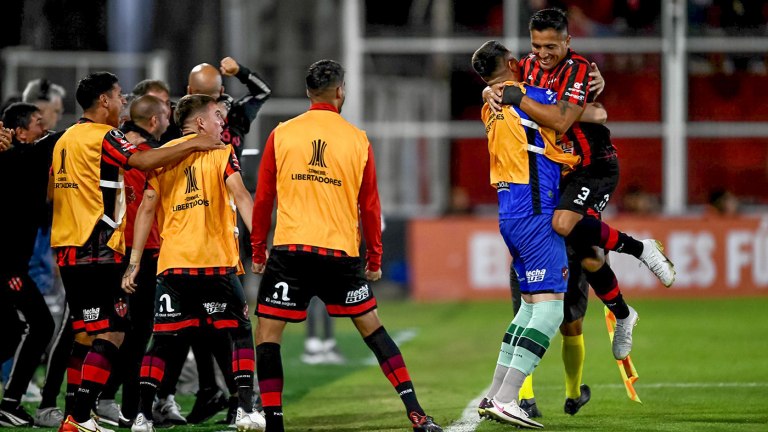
143, 108
148, 85
324, 74
190, 105
18, 115
92, 86
486, 60
551, 18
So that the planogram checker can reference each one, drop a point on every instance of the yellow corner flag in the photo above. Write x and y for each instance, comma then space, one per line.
626, 368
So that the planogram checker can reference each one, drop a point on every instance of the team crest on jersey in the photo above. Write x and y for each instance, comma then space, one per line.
63, 167
121, 308
318, 153
191, 179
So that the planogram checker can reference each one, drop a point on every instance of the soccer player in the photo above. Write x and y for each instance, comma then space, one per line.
23, 171
525, 170
586, 191
87, 232
321, 170
149, 119
198, 264
239, 114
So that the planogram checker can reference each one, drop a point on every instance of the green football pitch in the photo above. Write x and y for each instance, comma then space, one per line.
702, 365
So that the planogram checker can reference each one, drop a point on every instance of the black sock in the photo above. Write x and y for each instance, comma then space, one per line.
393, 366
74, 369
607, 289
97, 366
594, 232
269, 366
243, 366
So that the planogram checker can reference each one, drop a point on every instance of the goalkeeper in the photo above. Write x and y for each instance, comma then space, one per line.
525, 166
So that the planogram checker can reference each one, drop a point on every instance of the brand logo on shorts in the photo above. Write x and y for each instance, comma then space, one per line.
358, 294
245, 310
565, 273
91, 314
121, 308
165, 304
214, 307
537, 275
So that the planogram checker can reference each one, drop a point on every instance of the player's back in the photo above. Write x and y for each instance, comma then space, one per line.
320, 159
524, 158
195, 214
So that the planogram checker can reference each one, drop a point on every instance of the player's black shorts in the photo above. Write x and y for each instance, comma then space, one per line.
576, 298
291, 279
186, 301
96, 301
589, 189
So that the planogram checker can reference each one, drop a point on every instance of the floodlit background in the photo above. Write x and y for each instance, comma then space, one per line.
685, 96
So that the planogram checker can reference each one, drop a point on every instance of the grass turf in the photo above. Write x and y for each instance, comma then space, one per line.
702, 367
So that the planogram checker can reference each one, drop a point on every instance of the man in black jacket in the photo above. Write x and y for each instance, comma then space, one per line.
23, 169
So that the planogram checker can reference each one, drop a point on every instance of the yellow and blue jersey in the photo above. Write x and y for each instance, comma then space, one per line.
525, 159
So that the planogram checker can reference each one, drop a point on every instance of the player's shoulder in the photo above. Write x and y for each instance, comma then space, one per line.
117, 138
531, 57
575, 59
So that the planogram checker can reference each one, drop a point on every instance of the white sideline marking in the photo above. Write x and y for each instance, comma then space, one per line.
674, 385
400, 338
469, 418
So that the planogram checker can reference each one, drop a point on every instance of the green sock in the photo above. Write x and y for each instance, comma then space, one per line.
534, 341
531, 346
511, 336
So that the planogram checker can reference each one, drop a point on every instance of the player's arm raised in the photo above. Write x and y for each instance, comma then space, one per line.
141, 228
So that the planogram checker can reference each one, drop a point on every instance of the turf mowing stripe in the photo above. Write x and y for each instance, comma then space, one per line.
469, 418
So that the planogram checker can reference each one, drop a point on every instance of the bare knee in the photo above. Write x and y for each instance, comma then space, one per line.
269, 330
573, 328
563, 221
116, 338
84, 338
368, 323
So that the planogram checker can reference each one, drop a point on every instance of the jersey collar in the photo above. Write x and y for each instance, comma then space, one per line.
323, 106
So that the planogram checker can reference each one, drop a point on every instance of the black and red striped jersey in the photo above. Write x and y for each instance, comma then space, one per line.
570, 79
